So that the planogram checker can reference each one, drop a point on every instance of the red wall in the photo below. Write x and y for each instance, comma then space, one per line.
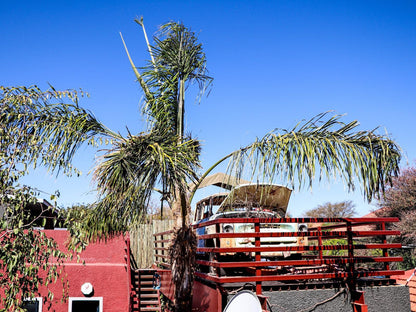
106, 268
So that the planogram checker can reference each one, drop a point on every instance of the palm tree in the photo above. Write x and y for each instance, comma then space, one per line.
164, 157
177, 60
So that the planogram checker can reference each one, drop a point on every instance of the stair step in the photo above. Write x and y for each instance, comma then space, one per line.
150, 309
147, 274
143, 289
143, 283
146, 282
149, 302
155, 295
146, 277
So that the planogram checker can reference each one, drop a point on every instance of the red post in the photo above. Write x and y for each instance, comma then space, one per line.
129, 283
385, 252
216, 256
358, 301
350, 252
320, 243
163, 246
257, 257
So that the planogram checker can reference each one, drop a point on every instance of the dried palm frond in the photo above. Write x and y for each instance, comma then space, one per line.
182, 254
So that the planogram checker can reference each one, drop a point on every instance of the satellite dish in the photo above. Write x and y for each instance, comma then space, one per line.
244, 301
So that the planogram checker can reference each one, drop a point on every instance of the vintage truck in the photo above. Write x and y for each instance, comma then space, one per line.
265, 201
252, 257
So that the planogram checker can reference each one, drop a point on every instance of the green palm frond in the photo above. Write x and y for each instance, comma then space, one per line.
132, 169
321, 148
177, 60
45, 128
178, 49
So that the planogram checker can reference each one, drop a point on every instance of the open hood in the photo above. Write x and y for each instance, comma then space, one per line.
257, 196
222, 180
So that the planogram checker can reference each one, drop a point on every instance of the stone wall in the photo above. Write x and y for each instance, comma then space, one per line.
378, 299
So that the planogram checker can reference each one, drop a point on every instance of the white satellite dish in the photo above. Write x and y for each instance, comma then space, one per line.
244, 301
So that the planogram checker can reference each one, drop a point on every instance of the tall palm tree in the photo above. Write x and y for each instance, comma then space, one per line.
326, 145
136, 165
177, 61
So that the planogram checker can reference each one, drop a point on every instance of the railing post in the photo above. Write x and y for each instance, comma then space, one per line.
385, 252
351, 270
162, 245
257, 243
358, 301
321, 256
155, 253
216, 256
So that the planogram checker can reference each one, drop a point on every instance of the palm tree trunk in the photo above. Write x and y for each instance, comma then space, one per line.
181, 110
182, 253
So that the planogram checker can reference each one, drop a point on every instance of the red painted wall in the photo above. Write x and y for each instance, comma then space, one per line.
106, 268
206, 298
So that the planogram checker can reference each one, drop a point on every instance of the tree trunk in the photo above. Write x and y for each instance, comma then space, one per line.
181, 209
182, 253
181, 111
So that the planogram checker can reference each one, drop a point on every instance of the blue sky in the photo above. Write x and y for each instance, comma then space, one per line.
274, 63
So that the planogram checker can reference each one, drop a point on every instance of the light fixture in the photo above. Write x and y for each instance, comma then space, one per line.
87, 289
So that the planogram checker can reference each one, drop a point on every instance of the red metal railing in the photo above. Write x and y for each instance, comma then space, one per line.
321, 259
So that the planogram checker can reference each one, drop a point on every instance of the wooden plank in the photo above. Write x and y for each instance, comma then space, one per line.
293, 277
294, 248
353, 221
332, 234
312, 262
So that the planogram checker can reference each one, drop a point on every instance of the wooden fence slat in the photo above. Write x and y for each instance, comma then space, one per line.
142, 241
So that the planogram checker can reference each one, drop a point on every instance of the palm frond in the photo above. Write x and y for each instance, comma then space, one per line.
176, 56
129, 172
321, 148
46, 129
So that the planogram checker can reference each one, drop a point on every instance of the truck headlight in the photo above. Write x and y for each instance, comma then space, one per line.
303, 228
228, 228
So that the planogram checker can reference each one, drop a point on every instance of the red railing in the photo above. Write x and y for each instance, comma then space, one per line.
335, 247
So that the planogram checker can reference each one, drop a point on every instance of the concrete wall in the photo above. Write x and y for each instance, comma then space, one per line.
378, 299
410, 280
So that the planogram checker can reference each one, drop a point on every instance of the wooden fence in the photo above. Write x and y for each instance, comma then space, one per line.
142, 241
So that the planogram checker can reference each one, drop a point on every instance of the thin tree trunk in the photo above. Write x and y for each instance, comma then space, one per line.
180, 209
181, 110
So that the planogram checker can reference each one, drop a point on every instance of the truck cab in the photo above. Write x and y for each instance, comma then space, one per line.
265, 201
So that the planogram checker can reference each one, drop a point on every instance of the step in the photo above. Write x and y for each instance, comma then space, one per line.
146, 282
150, 309
146, 277
143, 282
149, 302
148, 296
143, 289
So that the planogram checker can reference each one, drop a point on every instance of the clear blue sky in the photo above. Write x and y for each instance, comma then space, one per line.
274, 63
